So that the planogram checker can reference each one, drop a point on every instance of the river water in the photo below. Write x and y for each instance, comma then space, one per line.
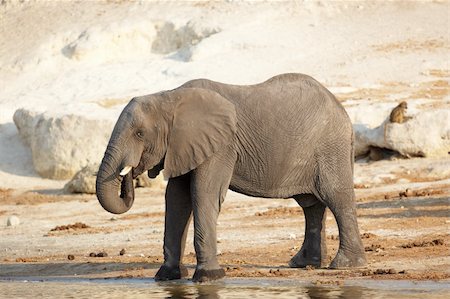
229, 288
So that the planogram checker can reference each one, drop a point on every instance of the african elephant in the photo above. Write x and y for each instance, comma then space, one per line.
287, 137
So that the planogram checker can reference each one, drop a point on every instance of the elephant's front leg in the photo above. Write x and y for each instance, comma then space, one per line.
178, 215
209, 185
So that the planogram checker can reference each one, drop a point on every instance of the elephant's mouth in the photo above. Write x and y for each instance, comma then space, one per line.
127, 189
151, 172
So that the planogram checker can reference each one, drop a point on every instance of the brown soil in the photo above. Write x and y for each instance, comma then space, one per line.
435, 90
410, 45
404, 237
75, 226
36, 198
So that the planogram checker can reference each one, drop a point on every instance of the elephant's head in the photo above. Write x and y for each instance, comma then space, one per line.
174, 130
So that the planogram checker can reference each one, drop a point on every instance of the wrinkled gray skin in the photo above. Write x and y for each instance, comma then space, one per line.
285, 138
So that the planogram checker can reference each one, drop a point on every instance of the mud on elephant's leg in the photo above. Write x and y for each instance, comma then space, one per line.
314, 250
351, 250
178, 215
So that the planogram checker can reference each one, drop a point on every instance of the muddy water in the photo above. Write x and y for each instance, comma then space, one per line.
244, 288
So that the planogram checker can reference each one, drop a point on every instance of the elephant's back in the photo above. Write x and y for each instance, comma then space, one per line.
287, 104
286, 92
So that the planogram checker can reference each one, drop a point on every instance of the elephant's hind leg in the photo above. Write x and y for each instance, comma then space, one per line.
334, 184
178, 215
314, 249
351, 250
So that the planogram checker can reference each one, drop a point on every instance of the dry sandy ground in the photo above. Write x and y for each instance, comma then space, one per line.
406, 237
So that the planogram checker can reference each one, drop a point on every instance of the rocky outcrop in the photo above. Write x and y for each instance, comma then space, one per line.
83, 181
138, 38
425, 134
62, 145
170, 39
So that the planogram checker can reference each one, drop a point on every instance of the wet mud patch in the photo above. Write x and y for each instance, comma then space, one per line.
93, 268
423, 210
381, 274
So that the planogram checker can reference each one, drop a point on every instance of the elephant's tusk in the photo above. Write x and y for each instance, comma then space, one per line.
125, 170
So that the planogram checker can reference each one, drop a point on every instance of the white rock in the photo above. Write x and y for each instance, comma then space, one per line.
170, 39
12, 221
426, 134
83, 181
62, 145
118, 40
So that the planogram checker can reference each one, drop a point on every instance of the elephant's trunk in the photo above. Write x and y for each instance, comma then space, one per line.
107, 189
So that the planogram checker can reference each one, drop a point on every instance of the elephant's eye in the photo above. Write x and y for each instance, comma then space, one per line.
140, 134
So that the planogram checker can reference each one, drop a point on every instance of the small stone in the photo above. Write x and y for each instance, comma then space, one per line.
12, 221
70, 257
392, 271
92, 254
122, 252
102, 254
409, 193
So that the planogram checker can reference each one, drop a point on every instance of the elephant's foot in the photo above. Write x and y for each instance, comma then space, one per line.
303, 259
171, 273
348, 260
202, 275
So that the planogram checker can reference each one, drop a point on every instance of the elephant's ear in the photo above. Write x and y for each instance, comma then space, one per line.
203, 123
